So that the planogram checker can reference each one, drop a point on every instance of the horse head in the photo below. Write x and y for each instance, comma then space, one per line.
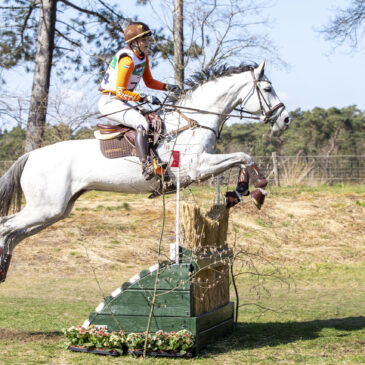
261, 100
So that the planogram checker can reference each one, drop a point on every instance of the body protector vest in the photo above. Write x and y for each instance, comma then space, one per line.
110, 79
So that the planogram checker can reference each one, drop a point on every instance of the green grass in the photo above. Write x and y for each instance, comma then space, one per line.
311, 311
342, 188
315, 318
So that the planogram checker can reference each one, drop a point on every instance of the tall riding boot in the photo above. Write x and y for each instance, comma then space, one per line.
142, 151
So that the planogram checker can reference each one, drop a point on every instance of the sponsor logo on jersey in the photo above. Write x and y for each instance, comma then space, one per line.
139, 69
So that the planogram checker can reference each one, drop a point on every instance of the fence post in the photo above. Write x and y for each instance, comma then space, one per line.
275, 170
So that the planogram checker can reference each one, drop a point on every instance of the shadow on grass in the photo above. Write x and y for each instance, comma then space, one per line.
257, 335
7, 334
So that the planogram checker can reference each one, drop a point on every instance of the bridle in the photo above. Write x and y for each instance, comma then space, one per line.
268, 114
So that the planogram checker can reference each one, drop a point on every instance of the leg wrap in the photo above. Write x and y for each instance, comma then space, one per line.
257, 177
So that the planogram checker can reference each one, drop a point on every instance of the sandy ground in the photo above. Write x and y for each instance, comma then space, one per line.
111, 235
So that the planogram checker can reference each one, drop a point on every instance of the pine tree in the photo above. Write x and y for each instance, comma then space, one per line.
56, 32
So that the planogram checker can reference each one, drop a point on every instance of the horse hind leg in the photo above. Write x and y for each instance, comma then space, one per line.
4, 264
10, 240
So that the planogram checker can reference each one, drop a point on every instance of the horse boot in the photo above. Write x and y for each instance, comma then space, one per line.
258, 197
259, 181
142, 150
234, 197
257, 177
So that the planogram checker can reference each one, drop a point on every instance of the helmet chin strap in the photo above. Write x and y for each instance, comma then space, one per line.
136, 46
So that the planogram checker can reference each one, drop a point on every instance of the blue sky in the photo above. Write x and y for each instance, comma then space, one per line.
317, 75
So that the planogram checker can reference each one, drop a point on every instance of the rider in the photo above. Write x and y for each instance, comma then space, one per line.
123, 75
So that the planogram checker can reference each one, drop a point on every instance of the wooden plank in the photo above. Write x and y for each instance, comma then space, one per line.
137, 302
211, 319
197, 325
176, 277
139, 323
211, 334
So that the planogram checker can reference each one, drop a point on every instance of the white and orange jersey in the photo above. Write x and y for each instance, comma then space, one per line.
124, 74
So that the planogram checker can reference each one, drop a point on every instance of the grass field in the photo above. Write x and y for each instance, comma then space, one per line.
307, 306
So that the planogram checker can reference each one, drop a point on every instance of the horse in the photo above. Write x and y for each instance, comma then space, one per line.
53, 177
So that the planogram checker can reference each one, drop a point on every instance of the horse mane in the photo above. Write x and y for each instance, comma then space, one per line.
212, 73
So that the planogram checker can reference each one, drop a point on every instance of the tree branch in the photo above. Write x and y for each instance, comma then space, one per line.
94, 13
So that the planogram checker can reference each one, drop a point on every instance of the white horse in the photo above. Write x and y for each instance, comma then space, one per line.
53, 177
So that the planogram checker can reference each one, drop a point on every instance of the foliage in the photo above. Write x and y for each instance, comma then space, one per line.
320, 131
317, 132
87, 35
11, 143
347, 26
93, 337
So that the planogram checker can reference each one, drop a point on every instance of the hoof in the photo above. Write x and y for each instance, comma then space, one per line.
232, 199
258, 197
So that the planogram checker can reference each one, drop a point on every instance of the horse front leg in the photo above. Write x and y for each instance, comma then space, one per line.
215, 164
247, 173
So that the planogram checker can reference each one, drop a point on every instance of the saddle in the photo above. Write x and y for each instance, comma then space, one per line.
119, 141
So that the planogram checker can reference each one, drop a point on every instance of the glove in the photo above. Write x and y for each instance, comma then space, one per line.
150, 99
174, 88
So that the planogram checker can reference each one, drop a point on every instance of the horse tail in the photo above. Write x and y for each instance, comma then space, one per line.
10, 189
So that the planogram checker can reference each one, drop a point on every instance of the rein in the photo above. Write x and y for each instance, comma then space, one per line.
176, 107
192, 123
266, 111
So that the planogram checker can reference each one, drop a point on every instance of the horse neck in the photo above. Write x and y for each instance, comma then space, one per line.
218, 96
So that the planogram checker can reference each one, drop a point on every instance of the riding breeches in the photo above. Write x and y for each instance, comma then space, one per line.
121, 112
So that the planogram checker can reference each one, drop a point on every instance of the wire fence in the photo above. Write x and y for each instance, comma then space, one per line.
309, 170
294, 170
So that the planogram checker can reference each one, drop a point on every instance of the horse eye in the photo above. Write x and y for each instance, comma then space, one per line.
268, 89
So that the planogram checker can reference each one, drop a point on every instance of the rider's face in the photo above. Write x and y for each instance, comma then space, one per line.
143, 43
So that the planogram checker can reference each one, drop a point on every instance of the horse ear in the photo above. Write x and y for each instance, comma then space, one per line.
260, 70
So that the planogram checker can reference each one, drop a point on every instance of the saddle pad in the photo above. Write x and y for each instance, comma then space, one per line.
117, 147
99, 135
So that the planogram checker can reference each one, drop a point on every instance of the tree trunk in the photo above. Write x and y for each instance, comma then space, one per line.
41, 77
179, 41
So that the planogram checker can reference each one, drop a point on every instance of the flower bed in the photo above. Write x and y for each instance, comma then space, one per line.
99, 340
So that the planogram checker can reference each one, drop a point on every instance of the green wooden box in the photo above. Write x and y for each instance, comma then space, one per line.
128, 307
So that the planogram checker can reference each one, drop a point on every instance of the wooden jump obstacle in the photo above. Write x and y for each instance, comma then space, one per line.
191, 295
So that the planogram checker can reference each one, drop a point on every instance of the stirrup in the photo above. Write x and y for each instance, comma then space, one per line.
148, 170
159, 167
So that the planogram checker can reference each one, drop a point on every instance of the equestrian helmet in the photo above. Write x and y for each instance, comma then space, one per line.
136, 30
